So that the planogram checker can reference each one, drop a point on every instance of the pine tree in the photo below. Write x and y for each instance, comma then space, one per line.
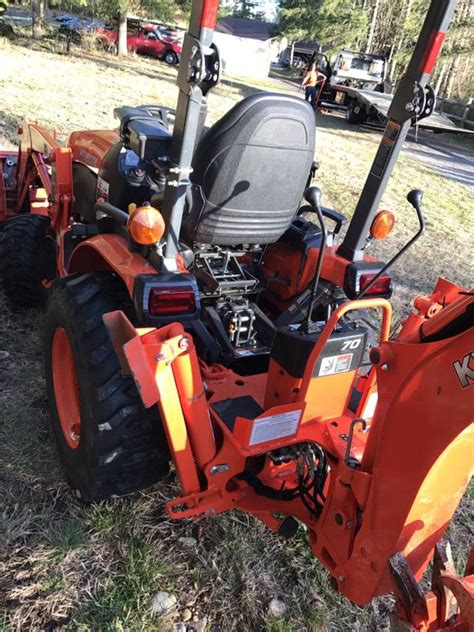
247, 9
333, 23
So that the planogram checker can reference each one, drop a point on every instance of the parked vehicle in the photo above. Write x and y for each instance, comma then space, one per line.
351, 69
162, 42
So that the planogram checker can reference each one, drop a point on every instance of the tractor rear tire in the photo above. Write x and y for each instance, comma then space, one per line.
27, 258
109, 444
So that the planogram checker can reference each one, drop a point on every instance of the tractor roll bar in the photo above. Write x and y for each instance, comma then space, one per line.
199, 71
409, 102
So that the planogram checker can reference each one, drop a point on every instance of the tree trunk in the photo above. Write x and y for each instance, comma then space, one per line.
36, 19
42, 11
453, 71
122, 34
439, 82
373, 24
392, 72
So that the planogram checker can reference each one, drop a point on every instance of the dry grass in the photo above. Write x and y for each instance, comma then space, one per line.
68, 567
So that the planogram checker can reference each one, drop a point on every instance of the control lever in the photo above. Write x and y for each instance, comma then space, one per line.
313, 196
415, 198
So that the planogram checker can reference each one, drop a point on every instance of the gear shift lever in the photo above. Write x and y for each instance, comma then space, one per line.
313, 196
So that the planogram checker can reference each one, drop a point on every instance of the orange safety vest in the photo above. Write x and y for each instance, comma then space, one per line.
310, 79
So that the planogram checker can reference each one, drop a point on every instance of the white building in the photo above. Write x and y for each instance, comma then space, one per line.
247, 47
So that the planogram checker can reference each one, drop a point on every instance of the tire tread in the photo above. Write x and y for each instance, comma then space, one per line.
129, 450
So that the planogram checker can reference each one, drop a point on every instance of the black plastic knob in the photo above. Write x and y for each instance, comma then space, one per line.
415, 198
313, 196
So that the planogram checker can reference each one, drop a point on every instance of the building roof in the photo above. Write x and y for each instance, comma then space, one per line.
251, 29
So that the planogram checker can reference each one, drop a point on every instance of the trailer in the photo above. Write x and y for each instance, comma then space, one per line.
369, 106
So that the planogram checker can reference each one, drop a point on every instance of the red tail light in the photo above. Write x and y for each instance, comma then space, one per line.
382, 286
171, 300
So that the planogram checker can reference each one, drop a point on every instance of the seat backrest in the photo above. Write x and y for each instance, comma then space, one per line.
250, 170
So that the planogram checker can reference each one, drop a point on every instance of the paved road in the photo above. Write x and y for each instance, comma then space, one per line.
451, 162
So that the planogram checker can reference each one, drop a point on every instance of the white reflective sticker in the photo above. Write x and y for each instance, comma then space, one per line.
336, 364
102, 189
275, 426
370, 405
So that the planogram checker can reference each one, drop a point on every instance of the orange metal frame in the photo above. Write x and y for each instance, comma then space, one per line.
43, 161
390, 503
413, 454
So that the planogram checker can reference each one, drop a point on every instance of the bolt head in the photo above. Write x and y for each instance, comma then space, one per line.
161, 356
374, 355
183, 343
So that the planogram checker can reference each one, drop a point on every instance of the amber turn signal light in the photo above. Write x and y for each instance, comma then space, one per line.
146, 225
382, 224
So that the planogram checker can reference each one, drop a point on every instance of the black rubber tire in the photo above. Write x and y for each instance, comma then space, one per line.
170, 58
27, 257
355, 114
122, 447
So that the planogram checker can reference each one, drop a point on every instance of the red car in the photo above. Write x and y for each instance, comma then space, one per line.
147, 39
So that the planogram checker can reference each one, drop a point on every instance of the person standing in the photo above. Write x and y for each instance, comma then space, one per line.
310, 84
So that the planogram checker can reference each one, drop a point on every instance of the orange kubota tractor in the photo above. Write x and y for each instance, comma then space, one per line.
194, 314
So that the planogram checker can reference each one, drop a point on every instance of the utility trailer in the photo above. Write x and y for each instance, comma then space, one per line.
367, 106
355, 84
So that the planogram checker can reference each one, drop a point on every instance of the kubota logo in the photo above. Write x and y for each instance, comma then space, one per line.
464, 372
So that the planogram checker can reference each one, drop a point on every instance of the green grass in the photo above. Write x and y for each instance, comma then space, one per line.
67, 536
52, 584
107, 516
123, 603
293, 75
96, 568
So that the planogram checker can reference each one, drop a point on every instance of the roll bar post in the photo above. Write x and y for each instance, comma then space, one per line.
199, 71
412, 100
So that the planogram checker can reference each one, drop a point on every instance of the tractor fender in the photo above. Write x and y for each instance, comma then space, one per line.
109, 252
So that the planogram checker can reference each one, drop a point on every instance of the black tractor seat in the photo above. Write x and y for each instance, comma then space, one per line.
250, 170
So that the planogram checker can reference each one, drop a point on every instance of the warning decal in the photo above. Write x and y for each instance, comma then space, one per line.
336, 364
385, 149
275, 427
102, 189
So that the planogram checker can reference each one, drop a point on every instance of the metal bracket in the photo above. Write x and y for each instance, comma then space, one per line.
348, 460
423, 103
203, 67
443, 564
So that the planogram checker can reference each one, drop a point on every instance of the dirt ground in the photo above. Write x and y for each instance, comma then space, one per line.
64, 566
